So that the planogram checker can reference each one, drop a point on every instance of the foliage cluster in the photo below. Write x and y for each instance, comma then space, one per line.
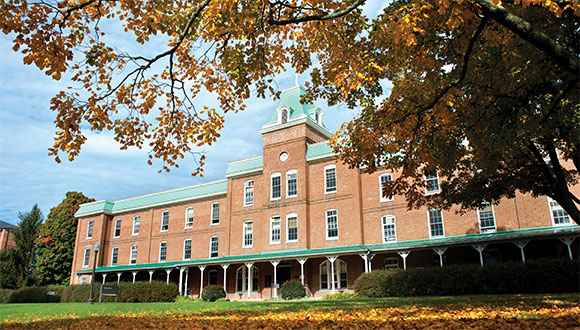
155, 291
213, 293
292, 290
339, 296
537, 276
55, 243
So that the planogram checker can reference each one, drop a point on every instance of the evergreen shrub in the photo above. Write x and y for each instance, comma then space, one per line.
292, 290
213, 293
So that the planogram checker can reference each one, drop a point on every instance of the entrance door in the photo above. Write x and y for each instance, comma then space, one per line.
284, 272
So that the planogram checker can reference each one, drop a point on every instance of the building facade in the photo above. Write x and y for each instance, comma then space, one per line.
6, 235
294, 213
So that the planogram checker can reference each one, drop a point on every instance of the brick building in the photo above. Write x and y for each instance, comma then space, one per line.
296, 214
6, 235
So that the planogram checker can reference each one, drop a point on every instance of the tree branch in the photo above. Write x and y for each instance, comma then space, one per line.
309, 18
526, 31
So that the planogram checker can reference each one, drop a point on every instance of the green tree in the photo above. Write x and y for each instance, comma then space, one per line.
55, 245
25, 237
10, 266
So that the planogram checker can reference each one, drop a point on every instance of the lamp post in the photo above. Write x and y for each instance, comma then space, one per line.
96, 248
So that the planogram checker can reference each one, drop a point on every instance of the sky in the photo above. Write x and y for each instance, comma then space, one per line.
29, 176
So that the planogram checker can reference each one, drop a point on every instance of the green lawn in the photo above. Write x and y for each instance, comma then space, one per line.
20, 313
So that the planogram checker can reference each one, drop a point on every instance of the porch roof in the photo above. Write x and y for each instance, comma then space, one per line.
506, 235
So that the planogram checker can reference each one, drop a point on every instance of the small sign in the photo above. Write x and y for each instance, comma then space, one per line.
108, 290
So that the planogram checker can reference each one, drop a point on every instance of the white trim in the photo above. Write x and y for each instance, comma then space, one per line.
162, 213
383, 227
192, 217
190, 249
113, 254
488, 230
277, 174
133, 227
253, 193
290, 172
328, 167
326, 224
218, 215
115, 228
218, 249
429, 224
243, 160
243, 173
329, 275
90, 224
302, 119
172, 190
381, 197
88, 260
279, 241
131, 254
288, 216
427, 193
251, 223
319, 157
159, 258
552, 213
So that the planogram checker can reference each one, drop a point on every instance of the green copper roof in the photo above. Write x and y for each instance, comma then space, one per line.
319, 150
291, 98
245, 166
507, 235
161, 198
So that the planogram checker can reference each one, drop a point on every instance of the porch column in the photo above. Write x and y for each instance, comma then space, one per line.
181, 270
104, 277
440, 252
275, 264
365, 258
332, 260
119, 277
134, 274
521, 245
249, 266
151, 275
479, 249
168, 271
370, 257
302, 261
568, 241
404, 255
201, 268
186, 280
225, 267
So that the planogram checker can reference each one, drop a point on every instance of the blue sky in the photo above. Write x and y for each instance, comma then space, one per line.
102, 171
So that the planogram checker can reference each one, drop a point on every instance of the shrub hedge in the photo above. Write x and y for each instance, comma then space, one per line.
292, 290
155, 291
213, 293
536, 276
339, 296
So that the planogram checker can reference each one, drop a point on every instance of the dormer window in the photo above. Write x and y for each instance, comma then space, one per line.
317, 118
284, 116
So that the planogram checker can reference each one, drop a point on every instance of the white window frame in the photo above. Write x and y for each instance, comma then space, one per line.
113, 261
160, 246
244, 276
288, 173
327, 227
427, 192
211, 246
83, 280
429, 224
326, 168
249, 224
288, 216
279, 176
188, 223
391, 261
133, 261
136, 225
384, 224
117, 221
337, 273
91, 226
213, 215
190, 248
249, 193
557, 207
86, 257
487, 229
162, 217
272, 242
280, 115
382, 197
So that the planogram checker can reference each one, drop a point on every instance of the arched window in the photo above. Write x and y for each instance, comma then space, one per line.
242, 279
284, 116
340, 275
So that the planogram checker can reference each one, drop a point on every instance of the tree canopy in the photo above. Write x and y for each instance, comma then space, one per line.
485, 92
